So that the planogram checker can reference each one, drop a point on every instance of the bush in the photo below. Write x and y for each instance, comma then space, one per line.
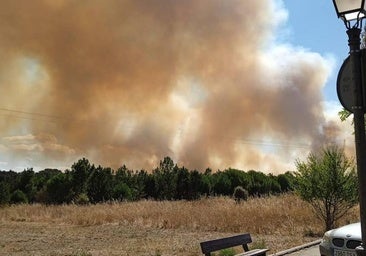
82, 199
122, 192
227, 252
18, 197
240, 194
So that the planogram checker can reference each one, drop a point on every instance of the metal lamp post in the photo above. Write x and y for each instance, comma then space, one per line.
352, 13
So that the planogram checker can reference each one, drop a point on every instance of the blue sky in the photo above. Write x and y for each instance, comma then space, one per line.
314, 25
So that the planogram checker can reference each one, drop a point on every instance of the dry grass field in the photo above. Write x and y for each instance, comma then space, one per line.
156, 228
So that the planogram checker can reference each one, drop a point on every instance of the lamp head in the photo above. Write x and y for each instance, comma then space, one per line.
350, 10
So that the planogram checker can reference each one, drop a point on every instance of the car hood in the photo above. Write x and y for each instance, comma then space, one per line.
351, 231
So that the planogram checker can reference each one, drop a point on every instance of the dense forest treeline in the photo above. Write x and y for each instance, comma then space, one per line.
87, 183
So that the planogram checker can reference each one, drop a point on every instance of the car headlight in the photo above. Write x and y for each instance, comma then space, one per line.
327, 238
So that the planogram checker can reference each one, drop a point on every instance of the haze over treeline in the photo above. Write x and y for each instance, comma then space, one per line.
133, 81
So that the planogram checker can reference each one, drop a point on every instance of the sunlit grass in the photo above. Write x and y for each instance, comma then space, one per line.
266, 215
284, 220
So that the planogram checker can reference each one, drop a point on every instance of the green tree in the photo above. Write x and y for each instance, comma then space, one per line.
139, 182
207, 183
344, 114
260, 184
58, 189
286, 181
4, 193
222, 184
40, 178
121, 191
328, 181
182, 189
165, 177
237, 177
11, 178
80, 172
195, 184
26, 184
100, 185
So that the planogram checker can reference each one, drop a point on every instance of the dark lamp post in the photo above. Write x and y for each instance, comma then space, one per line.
352, 13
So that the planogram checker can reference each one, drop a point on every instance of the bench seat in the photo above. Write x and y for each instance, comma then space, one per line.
218, 244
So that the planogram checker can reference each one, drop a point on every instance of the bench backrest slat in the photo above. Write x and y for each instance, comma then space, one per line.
218, 244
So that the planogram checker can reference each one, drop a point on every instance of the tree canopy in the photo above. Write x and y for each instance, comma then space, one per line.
328, 181
86, 182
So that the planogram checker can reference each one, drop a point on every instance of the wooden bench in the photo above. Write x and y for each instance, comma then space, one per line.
218, 244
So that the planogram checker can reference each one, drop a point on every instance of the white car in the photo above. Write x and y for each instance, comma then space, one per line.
341, 241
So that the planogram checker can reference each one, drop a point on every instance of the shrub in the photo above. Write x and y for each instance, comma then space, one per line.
18, 197
82, 199
240, 194
227, 252
122, 192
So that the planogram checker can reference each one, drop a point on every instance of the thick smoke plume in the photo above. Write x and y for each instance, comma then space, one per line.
129, 82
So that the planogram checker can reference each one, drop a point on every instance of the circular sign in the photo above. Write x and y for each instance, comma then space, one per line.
345, 84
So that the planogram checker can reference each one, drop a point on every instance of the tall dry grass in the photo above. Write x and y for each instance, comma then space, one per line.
164, 227
275, 215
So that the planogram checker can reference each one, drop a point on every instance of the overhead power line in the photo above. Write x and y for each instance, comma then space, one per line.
35, 116
31, 113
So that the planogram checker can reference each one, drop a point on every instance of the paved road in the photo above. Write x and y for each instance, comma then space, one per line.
311, 249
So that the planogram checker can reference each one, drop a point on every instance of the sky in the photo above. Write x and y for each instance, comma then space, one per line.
210, 83
314, 25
